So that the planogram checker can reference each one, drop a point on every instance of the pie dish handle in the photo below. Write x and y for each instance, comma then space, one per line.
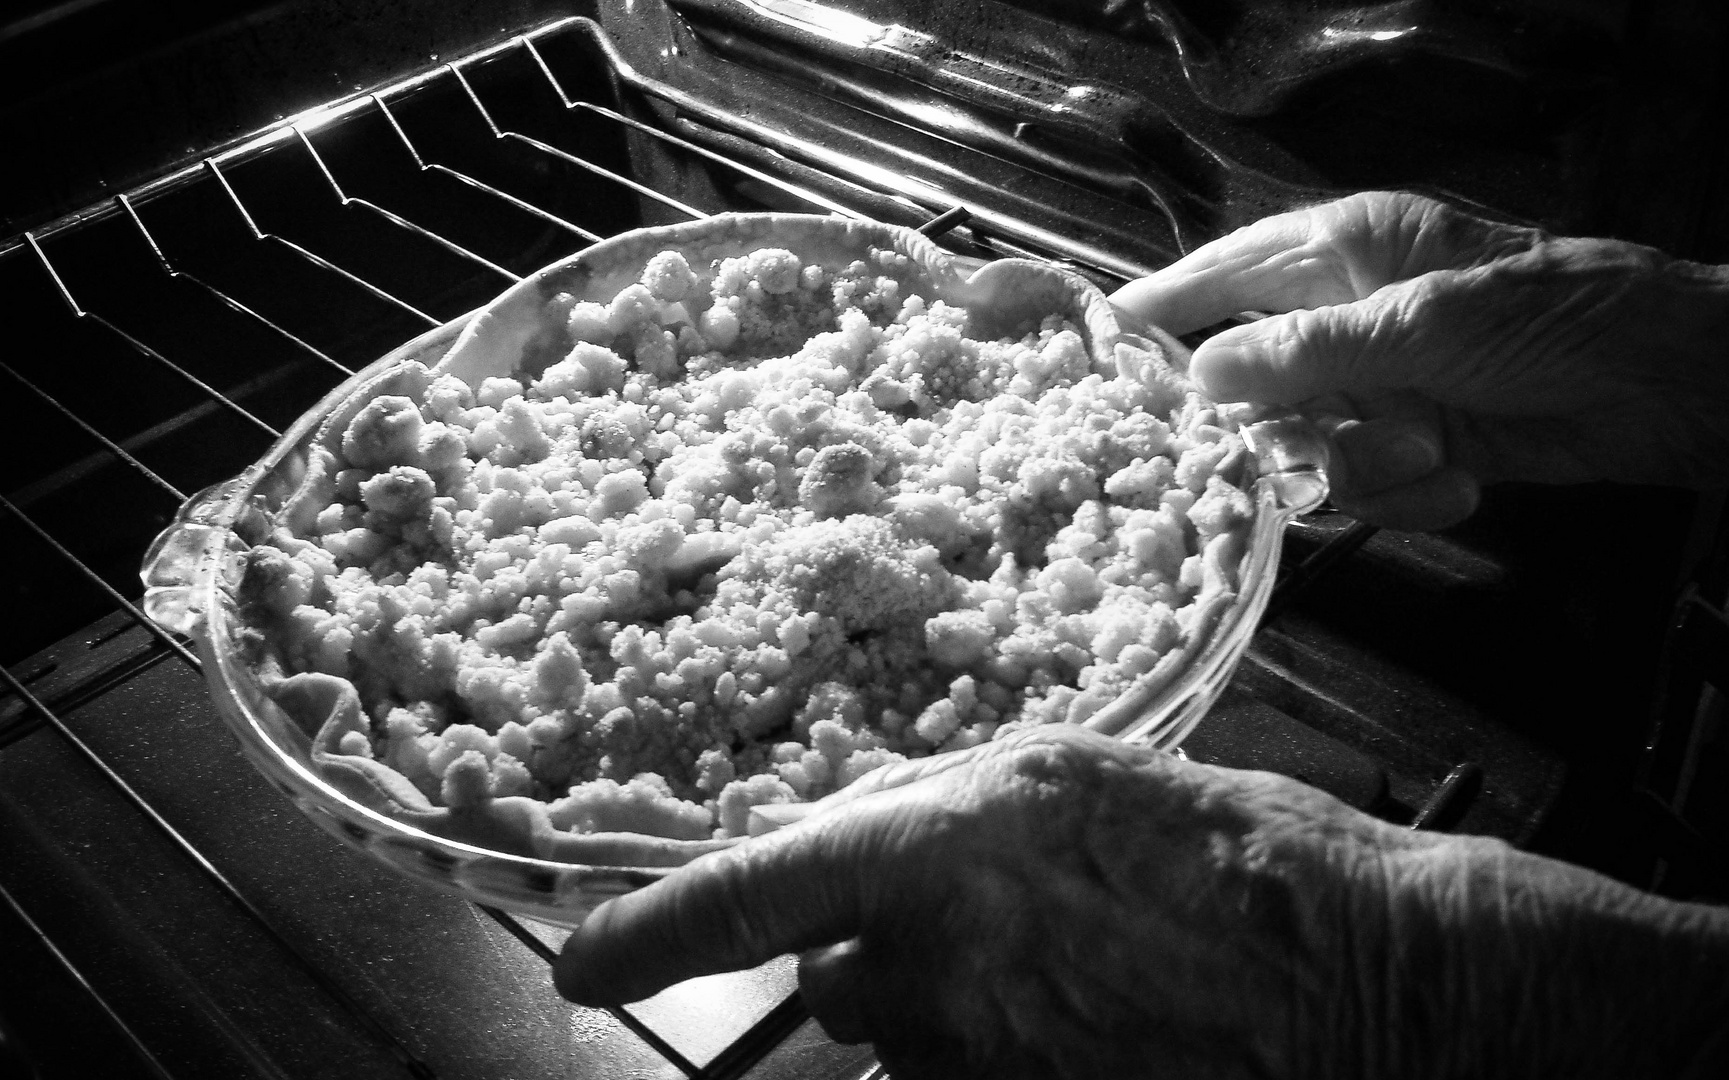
185, 558
1292, 450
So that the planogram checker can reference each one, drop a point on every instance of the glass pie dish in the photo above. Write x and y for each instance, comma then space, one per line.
193, 571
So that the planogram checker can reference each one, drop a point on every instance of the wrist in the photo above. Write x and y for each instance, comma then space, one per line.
1503, 963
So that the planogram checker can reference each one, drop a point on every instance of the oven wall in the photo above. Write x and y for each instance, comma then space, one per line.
98, 97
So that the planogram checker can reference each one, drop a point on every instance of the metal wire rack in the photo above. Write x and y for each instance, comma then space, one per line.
318, 199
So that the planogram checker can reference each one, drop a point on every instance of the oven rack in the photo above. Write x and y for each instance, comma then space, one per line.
218, 419
37, 247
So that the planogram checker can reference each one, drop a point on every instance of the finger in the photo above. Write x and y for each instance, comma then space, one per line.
1385, 452
1273, 265
902, 773
859, 996
1439, 500
734, 909
837, 986
1318, 256
881, 778
1291, 358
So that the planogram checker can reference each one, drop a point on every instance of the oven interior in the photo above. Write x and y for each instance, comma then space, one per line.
169, 315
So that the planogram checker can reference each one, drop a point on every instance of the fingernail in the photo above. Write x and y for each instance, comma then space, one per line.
1219, 370
1411, 456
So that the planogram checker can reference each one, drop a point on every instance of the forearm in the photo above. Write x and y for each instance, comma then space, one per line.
1502, 963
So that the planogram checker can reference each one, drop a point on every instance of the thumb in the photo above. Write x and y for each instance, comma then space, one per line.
1291, 358
733, 909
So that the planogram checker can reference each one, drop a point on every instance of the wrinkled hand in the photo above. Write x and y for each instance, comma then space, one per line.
1059, 904
1447, 352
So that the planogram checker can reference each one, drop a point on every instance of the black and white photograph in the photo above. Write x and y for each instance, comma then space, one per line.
864, 540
